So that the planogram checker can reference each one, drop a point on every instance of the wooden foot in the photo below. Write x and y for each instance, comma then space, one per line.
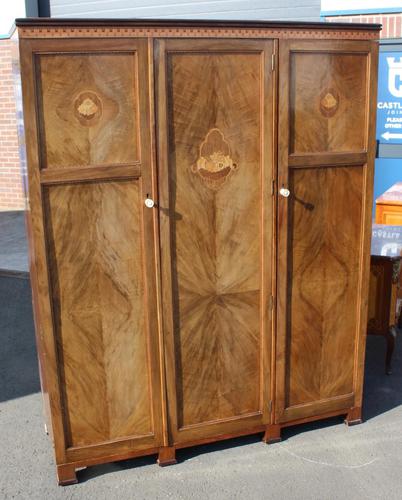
354, 416
391, 336
66, 475
167, 456
272, 434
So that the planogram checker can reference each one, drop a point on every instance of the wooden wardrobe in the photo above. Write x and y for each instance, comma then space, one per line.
199, 219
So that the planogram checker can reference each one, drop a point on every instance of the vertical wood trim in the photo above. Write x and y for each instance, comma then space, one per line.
149, 216
372, 70
267, 221
274, 178
282, 225
165, 236
37, 250
37, 323
157, 247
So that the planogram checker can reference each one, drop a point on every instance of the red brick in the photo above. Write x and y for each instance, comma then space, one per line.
397, 26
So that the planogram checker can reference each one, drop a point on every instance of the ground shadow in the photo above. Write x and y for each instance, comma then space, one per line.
19, 372
381, 392
13, 241
99, 470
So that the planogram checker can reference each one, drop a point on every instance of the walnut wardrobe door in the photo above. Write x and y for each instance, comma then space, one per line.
94, 243
215, 111
324, 209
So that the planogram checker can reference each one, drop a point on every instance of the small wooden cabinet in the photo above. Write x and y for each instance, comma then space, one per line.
200, 201
389, 206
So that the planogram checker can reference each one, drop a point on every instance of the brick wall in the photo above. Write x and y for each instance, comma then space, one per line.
391, 23
11, 191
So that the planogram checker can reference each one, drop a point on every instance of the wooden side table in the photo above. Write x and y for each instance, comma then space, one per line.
383, 310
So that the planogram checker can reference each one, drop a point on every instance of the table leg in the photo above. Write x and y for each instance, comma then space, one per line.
391, 336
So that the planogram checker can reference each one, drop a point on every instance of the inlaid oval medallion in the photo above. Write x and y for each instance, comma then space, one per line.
214, 165
329, 102
88, 108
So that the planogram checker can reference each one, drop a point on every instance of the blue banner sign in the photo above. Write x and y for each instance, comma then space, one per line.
389, 100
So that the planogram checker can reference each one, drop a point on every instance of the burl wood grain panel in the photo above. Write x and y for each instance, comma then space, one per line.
98, 307
327, 102
324, 238
215, 216
88, 108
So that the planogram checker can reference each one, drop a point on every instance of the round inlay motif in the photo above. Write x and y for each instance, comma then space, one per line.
88, 108
329, 102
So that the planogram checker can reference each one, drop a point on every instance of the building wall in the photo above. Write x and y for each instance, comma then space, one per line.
303, 10
366, 5
11, 191
391, 22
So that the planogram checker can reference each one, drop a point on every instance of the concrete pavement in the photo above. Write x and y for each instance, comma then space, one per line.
13, 243
324, 460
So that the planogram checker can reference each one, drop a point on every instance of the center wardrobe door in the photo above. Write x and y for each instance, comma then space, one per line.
215, 160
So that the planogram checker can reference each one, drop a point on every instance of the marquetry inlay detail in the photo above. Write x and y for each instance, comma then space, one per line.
329, 102
88, 108
214, 165
84, 32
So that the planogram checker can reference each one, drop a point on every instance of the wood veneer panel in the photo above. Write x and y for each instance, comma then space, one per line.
98, 308
216, 243
91, 116
85, 174
324, 225
324, 238
327, 102
217, 180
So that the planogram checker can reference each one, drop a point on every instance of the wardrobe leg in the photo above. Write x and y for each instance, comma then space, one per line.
272, 434
167, 456
354, 416
66, 475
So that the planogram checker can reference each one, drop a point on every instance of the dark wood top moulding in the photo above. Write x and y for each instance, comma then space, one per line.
42, 22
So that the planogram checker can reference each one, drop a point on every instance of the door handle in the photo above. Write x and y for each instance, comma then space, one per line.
149, 202
284, 192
